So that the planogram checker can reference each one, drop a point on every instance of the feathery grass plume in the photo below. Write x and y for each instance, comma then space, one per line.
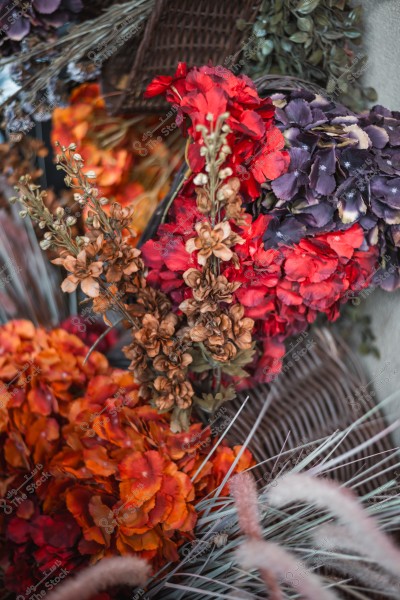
366, 576
256, 554
109, 572
244, 491
216, 573
341, 554
342, 504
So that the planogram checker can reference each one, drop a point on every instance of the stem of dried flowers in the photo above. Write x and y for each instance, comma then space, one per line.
59, 230
215, 151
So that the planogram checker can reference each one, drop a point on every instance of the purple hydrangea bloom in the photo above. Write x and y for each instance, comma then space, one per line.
345, 169
37, 16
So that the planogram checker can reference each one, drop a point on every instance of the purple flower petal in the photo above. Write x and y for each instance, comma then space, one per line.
318, 215
378, 136
286, 186
318, 117
299, 112
18, 30
390, 215
351, 206
46, 7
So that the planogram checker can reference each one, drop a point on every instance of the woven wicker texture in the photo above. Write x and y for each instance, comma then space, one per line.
322, 389
177, 31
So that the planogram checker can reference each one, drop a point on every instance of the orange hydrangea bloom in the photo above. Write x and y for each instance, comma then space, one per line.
78, 449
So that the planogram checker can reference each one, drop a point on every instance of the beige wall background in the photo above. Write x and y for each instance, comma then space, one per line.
382, 22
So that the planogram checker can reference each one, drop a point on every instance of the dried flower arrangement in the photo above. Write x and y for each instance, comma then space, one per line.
207, 296
89, 470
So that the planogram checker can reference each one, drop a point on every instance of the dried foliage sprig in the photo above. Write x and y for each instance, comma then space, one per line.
221, 330
39, 66
165, 345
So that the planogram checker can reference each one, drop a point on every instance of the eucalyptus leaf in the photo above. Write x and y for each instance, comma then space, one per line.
316, 57
276, 19
299, 38
305, 7
267, 47
333, 35
305, 23
352, 34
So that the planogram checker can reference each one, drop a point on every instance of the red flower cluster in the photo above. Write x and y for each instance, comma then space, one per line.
89, 471
284, 289
203, 94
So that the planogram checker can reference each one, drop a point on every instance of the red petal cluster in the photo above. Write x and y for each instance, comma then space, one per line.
89, 471
257, 145
284, 289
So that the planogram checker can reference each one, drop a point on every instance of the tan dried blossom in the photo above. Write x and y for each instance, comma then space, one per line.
153, 301
213, 241
83, 271
229, 190
215, 332
106, 300
139, 362
208, 291
156, 335
203, 200
234, 211
121, 217
169, 393
122, 260
224, 352
242, 327
174, 365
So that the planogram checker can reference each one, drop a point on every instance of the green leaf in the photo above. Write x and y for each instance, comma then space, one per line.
267, 47
333, 35
234, 371
305, 24
200, 363
305, 7
352, 34
243, 358
299, 38
316, 57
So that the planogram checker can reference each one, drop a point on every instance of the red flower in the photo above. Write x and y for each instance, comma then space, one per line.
284, 289
256, 143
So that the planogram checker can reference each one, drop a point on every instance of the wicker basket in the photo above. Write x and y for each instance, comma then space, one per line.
194, 32
324, 391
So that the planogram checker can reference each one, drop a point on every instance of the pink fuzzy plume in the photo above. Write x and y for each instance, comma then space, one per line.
344, 506
109, 572
244, 491
285, 566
